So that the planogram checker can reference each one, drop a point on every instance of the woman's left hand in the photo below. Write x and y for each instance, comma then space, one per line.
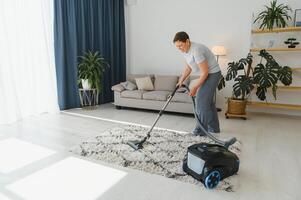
193, 91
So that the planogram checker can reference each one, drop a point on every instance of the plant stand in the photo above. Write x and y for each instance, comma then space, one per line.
242, 116
88, 98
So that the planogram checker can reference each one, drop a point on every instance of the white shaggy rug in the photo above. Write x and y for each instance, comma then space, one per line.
162, 153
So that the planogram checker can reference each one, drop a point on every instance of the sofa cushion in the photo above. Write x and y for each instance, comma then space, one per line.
144, 83
156, 95
117, 88
131, 77
128, 85
135, 94
165, 83
181, 97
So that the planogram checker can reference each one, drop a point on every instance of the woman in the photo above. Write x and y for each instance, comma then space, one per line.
201, 61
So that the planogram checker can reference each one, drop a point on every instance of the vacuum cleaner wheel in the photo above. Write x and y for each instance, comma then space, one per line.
212, 179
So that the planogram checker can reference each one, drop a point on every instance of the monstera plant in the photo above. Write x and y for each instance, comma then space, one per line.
274, 15
266, 74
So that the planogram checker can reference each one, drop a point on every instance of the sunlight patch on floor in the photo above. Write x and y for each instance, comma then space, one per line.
71, 178
15, 154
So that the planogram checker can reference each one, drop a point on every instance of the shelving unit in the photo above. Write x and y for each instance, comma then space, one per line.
277, 30
294, 70
275, 49
274, 105
289, 88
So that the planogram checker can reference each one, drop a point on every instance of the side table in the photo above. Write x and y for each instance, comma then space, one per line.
88, 97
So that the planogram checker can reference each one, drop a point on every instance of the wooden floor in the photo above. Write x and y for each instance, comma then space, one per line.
270, 159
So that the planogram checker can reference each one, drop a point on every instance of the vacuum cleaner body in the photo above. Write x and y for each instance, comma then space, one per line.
210, 163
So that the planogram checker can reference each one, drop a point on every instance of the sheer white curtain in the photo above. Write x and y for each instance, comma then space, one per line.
27, 69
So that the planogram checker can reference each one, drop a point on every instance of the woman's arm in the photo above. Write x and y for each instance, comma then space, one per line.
204, 74
186, 72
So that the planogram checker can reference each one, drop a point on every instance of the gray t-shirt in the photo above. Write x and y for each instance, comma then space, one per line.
199, 53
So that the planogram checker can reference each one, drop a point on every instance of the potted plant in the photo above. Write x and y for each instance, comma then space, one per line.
266, 74
91, 67
90, 70
274, 16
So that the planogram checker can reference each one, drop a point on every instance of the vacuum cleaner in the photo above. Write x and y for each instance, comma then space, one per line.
208, 163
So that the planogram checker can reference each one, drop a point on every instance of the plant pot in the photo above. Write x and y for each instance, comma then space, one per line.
86, 85
236, 106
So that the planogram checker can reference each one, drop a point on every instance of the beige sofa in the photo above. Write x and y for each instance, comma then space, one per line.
153, 99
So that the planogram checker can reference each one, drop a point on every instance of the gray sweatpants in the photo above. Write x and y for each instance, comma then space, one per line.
205, 104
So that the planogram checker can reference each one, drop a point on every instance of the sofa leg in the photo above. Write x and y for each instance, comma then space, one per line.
118, 107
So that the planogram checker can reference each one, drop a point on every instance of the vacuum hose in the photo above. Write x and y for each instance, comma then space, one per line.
226, 144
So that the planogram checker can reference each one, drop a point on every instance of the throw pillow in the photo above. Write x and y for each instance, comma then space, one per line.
128, 85
144, 83
132, 77
118, 88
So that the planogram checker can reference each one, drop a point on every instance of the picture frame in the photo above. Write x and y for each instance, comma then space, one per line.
297, 18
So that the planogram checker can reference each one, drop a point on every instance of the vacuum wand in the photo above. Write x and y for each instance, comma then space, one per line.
136, 144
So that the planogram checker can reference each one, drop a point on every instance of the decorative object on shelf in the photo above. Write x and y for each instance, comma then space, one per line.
253, 44
271, 43
291, 42
274, 16
297, 17
91, 67
262, 77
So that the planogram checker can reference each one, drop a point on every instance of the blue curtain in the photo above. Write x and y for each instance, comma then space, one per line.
82, 25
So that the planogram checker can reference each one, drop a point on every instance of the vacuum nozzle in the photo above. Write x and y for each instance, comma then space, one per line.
230, 142
135, 144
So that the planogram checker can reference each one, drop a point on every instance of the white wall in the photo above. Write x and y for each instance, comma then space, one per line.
151, 25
